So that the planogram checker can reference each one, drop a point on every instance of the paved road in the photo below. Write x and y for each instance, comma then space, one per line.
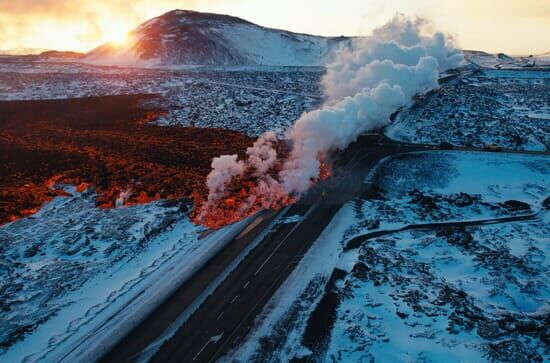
224, 317
228, 313
169, 311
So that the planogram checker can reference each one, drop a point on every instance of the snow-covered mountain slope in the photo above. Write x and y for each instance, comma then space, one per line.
504, 61
490, 60
182, 37
543, 58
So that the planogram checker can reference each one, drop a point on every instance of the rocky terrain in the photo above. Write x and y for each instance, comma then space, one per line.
466, 293
250, 101
385, 279
103, 143
71, 141
502, 107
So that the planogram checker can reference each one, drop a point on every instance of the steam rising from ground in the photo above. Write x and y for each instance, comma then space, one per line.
368, 81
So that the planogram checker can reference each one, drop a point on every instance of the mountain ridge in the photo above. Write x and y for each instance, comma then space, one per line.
185, 37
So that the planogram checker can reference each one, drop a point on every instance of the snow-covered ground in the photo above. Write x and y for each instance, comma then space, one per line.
459, 293
543, 59
74, 273
484, 289
473, 294
504, 61
504, 107
249, 100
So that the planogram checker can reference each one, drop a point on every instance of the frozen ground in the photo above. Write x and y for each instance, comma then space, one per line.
504, 61
503, 107
249, 100
71, 260
483, 289
74, 276
459, 293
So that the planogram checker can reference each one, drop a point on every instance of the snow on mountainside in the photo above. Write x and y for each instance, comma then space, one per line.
543, 58
504, 61
182, 37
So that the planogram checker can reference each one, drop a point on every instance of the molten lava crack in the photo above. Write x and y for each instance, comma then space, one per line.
104, 143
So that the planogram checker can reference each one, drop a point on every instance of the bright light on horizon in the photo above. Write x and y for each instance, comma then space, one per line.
116, 36
510, 26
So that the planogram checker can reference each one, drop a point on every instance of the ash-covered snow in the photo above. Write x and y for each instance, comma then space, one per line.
503, 107
458, 293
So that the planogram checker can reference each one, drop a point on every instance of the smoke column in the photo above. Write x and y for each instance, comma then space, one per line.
369, 79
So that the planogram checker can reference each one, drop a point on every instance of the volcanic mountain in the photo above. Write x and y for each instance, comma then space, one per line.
182, 37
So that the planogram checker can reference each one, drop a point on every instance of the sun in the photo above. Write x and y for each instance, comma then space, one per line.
116, 34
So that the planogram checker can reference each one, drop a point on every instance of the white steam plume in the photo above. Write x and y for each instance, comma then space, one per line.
368, 81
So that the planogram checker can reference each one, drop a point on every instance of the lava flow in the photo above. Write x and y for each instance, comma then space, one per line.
243, 200
247, 194
106, 144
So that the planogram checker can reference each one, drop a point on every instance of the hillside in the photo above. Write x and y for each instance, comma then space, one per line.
182, 37
504, 61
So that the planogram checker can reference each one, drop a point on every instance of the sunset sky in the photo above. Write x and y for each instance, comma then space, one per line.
511, 26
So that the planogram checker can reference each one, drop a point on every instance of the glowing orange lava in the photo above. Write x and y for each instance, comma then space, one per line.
44, 144
244, 197
243, 200
107, 145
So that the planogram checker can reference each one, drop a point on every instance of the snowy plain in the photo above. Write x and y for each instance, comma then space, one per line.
462, 293
72, 295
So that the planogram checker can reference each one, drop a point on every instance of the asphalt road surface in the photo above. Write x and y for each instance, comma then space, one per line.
228, 314
225, 317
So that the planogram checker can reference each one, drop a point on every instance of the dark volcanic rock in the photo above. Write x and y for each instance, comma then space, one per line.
512, 351
103, 143
516, 206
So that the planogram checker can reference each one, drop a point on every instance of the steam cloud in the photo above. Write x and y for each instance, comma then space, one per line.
367, 81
